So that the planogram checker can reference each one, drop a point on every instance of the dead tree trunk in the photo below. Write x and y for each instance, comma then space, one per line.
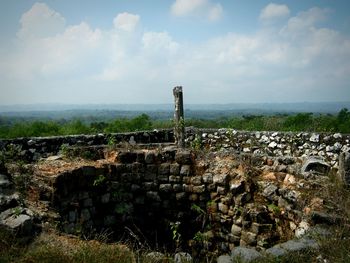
179, 129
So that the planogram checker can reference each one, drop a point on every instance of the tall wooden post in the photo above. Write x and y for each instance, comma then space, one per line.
179, 129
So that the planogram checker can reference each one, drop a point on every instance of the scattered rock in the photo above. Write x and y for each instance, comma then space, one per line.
244, 253
315, 164
224, 259
18, 221
182, 257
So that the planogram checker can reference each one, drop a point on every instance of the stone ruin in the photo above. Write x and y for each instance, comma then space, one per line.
228, 193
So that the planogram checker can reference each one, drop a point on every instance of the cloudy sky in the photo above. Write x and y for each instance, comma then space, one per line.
136, 51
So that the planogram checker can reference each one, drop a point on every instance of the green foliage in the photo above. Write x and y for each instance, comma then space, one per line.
274, 208
111, 142
343, 121
198, 209
17, 211
174, 226
142, 122
199, 237
295, 122
99, 180
196, 144
64, 149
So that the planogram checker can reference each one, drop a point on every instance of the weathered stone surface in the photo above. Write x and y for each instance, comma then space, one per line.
224, 259
174, 169
276, 251
223, 208
149, 157
165, 188
294, 245
4, 181
248, 238
182, 257
185, 170
246, 254
236, 230
18, 221
324, 218
344, 167
153, 196
237, 187
164, 169
174, 179
270, 191
183, 157
198, 189
196, 180
314, 164
208, 178
127, 157
220, 179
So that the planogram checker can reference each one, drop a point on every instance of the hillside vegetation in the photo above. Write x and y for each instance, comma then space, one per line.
10, 128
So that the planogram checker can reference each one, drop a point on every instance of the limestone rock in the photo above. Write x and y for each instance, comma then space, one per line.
246, 254
314, 164
276, 251
344, 167
18, 221
183, 157
182, 257
224, 259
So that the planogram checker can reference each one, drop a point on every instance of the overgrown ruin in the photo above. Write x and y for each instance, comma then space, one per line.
228, 189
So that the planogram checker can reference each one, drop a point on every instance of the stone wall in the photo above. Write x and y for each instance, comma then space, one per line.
325, 145
302, 144
32, 149
215, 205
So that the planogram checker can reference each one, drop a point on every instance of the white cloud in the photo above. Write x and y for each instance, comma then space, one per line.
185, 7
272, 11
40, 21
200, 8
126, 21
159, 42
305, 20
215, 12
272, 63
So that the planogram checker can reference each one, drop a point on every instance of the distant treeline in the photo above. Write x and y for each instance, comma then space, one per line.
297, 122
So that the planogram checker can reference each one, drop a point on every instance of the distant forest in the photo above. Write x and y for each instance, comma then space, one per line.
19, 126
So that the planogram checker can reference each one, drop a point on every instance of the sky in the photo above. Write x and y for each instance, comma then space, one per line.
136, 51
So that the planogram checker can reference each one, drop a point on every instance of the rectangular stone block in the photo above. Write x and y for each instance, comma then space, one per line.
164, 169
178, 188
174, 179
196, 180
198, 189
185, 170
174, 169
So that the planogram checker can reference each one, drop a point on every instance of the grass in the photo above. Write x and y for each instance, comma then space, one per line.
52, 248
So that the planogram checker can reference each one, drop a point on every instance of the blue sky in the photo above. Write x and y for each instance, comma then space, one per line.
136, 51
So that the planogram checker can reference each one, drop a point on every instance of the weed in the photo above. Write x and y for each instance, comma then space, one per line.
174, 226
198, 209
274, 208
199, 237
17, 211
111, 142
99, 180
197, 144
64, 150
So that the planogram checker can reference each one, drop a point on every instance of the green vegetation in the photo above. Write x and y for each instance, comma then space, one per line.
283, 122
